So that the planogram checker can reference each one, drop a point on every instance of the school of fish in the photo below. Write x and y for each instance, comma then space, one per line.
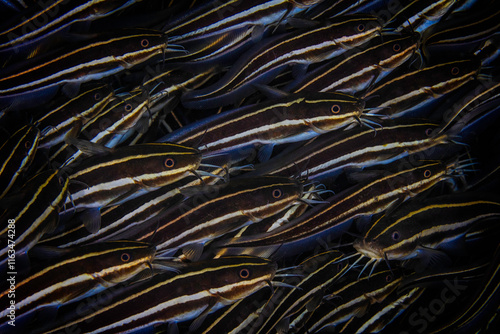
255, 167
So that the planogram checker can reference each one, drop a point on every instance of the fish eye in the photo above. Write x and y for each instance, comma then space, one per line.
97, 96
128, 107
61, 180
396, 47
340, 265
277, 193
169, 162
125, 257
145, 43
244, 273
427, 173
361, 27
27, 144
388, 278
428, 131
335, 109
395, 235
455, 70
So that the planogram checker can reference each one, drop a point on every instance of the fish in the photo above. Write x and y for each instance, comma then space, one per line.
16, 154
264, 125
267, 59
76, 273
409, 232
201, 288
34, 214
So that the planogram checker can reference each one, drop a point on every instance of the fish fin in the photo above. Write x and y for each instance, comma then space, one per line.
173, 328
91, 219
71, 89
257, 33
431, 258
140, 277
283, 326
193, 251
88, 147
127, 194
299, 70
271, 92
314, 302
201, 318
265, 152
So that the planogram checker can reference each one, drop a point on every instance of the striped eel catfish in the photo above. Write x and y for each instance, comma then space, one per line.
326, 269
351, 300
420, 14
239, 317
327, 9
359, 71
104, 56
425, 229
267, 59
470, 30
415, 89
113, 125
77, 273
16, 155
36, 213
217, 29
68, 118
201, 288
382, 314
482, 305
215, 17
293, 118
356, 148
365, 199
207, 215
59, 14
119, 218
128, 171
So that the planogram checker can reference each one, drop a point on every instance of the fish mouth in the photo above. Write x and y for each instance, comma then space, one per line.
368, 249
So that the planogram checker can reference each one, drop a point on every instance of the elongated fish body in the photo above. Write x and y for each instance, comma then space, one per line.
384, 313
327, 267
358, 148
35, 214
79, 272
263, 62
16, 155
68, 118
124, 173
419, 15
217, 17
95, 60
413, 90
206, 216
294, 118
469, 30
356, 73
354, 298
117, 219
479, 308
58, 15
225, 29
201, 288
361, 200
238, 317
417, 227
